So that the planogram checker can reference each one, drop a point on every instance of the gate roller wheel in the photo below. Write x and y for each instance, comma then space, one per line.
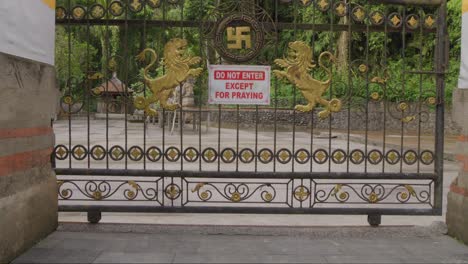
94, 217
374, 220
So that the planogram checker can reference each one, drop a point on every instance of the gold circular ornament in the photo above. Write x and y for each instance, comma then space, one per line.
373, 198
375, 96
268, 197
431, 100
204, 195
60, 13
402, 106
97, 11
236, 197
343, 196
404, 196
68, 100
97, 195
78, 12
363, 68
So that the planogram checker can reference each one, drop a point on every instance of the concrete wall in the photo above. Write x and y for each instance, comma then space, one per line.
457, 200
28, 189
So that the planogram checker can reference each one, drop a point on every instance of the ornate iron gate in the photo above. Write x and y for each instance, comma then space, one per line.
350, 146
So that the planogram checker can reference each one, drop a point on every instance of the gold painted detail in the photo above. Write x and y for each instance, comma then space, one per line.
402, 106
410, 157
363, 68
172, 154
239, 38
320, 155
359, 14
357, 156
323, 4
265, 155
154, 3
373, 197
404, 195
378, 80
341, 9
209, 154
410, 189
375, 156
302, 155
408, 119
65, 193
297, 66
413, 22
395, 20
431, 101
337, 189
236, 197
343, 196
154, 154
116, 8
427, 157
79, 152
134, 185
392, 156
191, 154
68, 100
78, 12
377, 18
60, 13
375, 96
116, 153
301, 193
98, 152
97, 11
268, 197
429, 21
136, 5
172, 191
177, 65
284, 155
247, 155
228, 155
204, 196
136, 153
97, 195
198, 187
339, 156
61, 152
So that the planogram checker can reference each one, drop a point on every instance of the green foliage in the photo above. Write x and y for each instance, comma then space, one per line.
91, 49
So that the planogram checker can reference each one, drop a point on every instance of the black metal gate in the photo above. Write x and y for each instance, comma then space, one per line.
360, 146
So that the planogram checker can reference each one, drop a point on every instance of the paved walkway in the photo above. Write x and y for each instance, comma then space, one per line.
104, 243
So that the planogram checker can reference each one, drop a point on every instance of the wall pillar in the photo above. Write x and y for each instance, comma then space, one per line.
28, 188
457, 200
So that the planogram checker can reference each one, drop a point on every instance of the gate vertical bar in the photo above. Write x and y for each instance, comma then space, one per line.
440, 67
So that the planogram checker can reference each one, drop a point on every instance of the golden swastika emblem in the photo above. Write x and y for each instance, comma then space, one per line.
238, 35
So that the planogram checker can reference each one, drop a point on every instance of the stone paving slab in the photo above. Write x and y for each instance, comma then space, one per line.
114, 243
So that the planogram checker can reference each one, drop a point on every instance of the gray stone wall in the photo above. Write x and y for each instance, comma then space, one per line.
28, 198
376, 114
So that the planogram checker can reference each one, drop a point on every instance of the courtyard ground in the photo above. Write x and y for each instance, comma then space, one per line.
114, 243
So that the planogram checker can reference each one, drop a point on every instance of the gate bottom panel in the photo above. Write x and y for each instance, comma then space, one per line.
242, 195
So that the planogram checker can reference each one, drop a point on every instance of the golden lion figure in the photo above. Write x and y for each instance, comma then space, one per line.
177, 71
297, 66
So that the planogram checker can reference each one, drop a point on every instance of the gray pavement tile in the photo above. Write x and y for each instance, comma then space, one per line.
57, 255
364, 258
241, 257
141, 257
